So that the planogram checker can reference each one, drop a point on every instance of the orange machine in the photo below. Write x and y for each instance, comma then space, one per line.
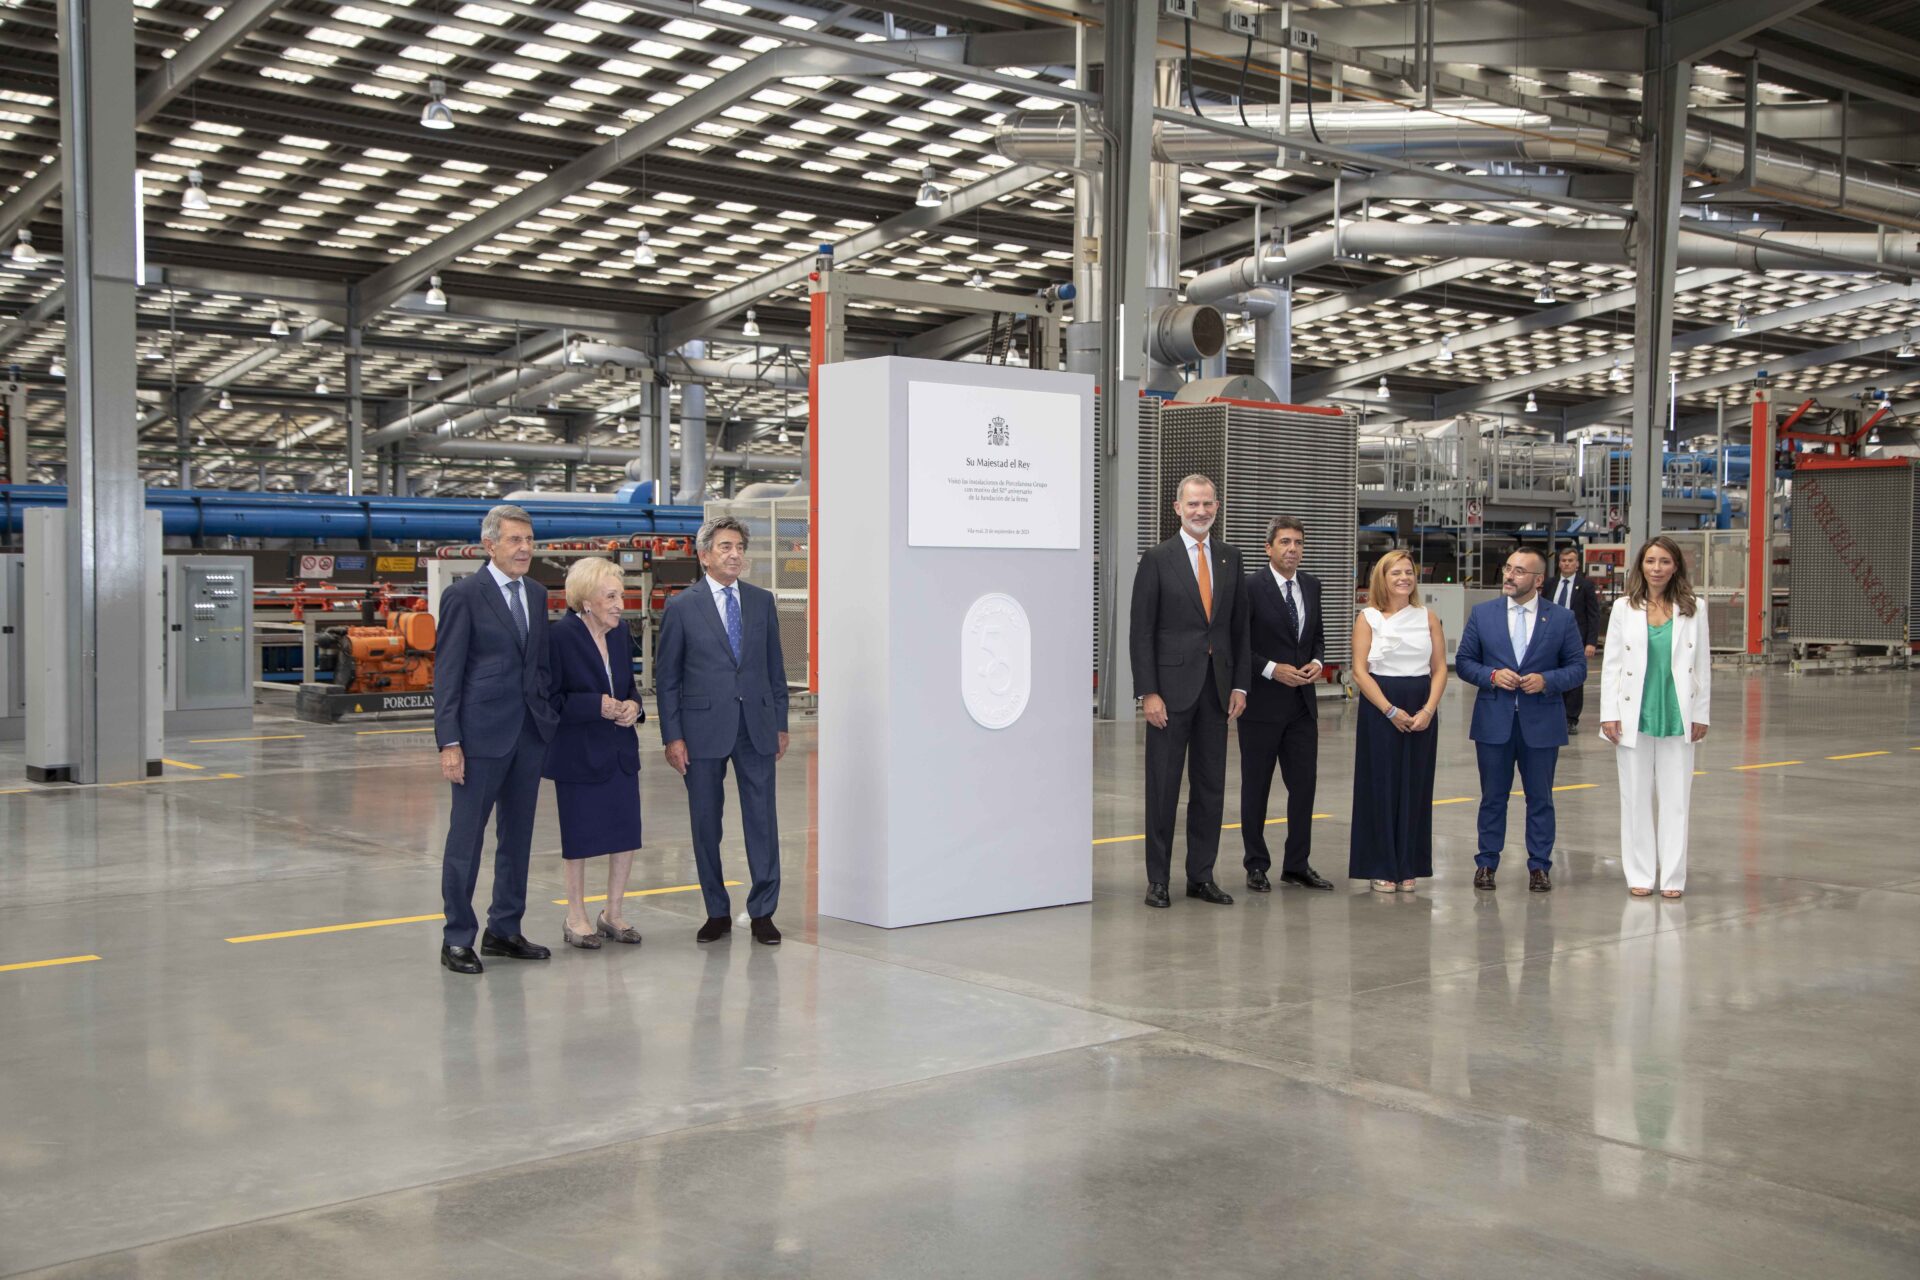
396, 657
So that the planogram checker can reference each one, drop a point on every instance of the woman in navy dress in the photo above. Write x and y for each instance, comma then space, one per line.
594, 758
1400, 670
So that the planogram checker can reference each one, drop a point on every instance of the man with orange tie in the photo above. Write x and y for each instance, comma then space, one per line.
1191, 669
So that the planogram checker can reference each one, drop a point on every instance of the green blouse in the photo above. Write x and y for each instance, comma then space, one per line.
1659, 700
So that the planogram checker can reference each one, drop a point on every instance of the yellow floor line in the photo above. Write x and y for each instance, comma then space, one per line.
1225, 826
1861, 755
336, 928
1771, 764
364, 733
1568, 786
148, 782
271, 737
181, 764
1460, 800
46, 964
648, 893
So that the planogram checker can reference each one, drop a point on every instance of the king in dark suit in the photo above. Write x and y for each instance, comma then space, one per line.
1522, 652
1191, 668
721, 689
1288, 639
1573, 591
492, 719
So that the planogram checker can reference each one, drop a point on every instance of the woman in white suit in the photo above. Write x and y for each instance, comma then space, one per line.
1655, 683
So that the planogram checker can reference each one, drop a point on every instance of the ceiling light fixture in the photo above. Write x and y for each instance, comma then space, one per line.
976, 280
154, 352
436, 115
57, 369
1545, 295
1740, 324
1906, 349
1616, 374
320, 385
24, 254
643, 254
575, 355
930, 196
751, 329
620, 427
226, 402
434, 374
436, 296
1533, 406
1446, 350
194, 198
783, 437
278, 328
1380, 392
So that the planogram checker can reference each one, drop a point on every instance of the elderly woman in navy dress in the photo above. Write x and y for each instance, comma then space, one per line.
594, 759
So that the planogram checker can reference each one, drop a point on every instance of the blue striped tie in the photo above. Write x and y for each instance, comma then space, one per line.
733, 624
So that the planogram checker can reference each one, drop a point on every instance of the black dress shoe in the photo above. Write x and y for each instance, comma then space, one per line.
1258, 882
763, 931
1208, 891
460, 959
716, 928
517, 947
1306, 878
1157, 896
1539, 882
1483, 877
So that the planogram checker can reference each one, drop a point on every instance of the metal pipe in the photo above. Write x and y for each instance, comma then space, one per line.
1751, 251
1272, 311
590, 454
693, 433
1474, 134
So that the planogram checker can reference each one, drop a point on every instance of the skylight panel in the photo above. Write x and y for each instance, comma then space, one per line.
407, 74
760, 44
310, 144
507, 71
604, 88
941, 108
687, 30
311, 59
979, 92
910, 124
361, 17
484, 13
654, 49
776, 97
380, 153
456, 35
420, 53
621, 67
282, 73
542, 52
344, 39
604, 12
845, 111
879, 139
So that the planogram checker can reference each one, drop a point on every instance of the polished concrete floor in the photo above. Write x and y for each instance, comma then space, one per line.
1302, 1084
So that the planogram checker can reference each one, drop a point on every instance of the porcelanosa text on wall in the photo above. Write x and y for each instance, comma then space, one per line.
992, 467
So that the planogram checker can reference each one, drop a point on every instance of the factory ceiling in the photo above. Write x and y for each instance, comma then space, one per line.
290, 152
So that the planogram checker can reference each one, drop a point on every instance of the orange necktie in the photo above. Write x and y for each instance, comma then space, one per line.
1206, 581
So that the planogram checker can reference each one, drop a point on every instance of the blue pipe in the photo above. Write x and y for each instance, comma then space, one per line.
218, 513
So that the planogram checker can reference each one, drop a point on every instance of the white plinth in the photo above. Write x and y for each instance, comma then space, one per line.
954, 580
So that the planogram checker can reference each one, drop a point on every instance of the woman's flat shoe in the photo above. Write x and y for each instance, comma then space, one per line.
1383, 886
584, 941
1670, 893
625, 933
1408, 886
1640, 893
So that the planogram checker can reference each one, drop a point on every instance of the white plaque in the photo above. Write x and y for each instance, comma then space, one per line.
996, 660
992, 467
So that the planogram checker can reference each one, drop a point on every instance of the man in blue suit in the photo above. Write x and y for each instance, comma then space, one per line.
721, 688
1522, 652
492, 719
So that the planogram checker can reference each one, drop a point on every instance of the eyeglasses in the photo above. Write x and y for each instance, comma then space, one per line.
1512, 571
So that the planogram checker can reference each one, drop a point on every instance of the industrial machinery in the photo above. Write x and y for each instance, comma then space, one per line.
1856, 524
384, 664
1270, 459
13, 655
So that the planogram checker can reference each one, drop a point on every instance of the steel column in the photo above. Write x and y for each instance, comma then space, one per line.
105, 501
1131, 40
1654, 242
356, 411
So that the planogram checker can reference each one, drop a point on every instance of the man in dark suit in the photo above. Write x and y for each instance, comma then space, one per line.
492, 719
1288, 639
1573, 591
1191, 669
721, 689
1522, 652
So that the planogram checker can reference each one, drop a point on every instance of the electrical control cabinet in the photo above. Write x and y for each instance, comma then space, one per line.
209, 623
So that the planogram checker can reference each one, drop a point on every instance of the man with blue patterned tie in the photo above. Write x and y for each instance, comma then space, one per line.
492, 720
1522, 652
721, 689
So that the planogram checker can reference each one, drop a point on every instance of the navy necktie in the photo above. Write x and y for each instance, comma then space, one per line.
518, 606
1293, 613
733, 623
